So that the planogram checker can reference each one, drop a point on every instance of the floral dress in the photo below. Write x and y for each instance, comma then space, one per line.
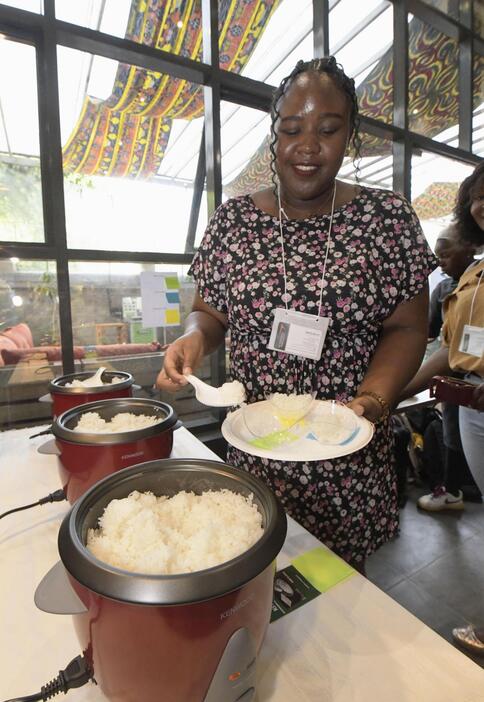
378, 258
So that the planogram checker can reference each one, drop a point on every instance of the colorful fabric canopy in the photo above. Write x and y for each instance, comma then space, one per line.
437, 200
126, 135
433, 100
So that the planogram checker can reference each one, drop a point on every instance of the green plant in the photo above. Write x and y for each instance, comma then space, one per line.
46, 290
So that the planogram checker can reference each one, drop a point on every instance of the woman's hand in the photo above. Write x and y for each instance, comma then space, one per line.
182, 357
366, 406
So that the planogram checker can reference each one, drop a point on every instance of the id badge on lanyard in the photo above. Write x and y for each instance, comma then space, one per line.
472, 340
298, 333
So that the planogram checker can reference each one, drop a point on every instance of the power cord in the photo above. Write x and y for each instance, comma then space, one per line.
76, 674
57, 496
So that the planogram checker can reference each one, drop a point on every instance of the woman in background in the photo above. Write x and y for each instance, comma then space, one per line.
463, 350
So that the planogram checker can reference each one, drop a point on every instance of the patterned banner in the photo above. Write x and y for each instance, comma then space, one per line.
127, 134
433, 100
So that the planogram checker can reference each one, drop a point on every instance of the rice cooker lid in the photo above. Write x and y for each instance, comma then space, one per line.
169, 476
63, 425
58, 385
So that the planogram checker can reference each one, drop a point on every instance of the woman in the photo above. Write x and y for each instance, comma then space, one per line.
319, 246
454, 256
463, 350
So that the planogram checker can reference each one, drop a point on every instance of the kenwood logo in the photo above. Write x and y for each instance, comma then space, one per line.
133, 455
233, 610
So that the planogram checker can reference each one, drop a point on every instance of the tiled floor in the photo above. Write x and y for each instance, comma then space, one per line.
435, 568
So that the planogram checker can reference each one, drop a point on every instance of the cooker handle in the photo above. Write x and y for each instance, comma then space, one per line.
178, 424
46, 398
50, 448
54, 593
135, 386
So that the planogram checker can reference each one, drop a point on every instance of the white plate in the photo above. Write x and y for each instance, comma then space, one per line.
235, 431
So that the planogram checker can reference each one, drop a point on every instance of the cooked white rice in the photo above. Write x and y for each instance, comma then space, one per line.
143, 533
87, 383
291, 403
92, 422
232, 392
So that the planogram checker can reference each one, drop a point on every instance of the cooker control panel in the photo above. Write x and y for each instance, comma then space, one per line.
234, 679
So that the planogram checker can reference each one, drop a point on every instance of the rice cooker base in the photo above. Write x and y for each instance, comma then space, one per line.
80, 466
169, 653
64, 402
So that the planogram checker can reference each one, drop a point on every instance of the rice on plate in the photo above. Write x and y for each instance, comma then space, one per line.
185, 533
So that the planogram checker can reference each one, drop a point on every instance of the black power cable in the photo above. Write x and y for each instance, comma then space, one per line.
57, 496
76, 674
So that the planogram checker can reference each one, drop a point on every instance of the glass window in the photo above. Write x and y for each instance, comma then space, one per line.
449, 7
374, 167
29, 5
30, 352
131, 140
435, 181
21, 218
478, 19
174, 27
433, 89
478, 112
245, 149
371, 68
263, 39
115, 323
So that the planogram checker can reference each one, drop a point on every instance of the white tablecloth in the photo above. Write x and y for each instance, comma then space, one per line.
350, 644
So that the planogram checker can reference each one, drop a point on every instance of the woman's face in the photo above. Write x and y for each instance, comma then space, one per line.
477, 204
312, 135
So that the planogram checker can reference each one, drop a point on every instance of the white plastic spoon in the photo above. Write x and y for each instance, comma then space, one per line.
227, 395
95, 379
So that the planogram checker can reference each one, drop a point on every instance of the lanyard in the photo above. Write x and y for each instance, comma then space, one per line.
281, 212
474, 296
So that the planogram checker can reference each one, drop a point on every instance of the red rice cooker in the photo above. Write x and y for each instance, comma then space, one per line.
191, 637
63, 398
85, 457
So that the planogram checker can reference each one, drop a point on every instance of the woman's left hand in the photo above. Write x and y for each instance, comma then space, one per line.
367, 407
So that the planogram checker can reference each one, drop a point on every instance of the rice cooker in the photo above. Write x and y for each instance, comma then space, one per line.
83, 458
192, 637
63, 397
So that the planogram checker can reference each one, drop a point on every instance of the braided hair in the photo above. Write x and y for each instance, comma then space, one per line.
469, 230
333, 69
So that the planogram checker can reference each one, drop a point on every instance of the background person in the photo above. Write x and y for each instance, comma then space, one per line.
464, 314
454, 256
326, 248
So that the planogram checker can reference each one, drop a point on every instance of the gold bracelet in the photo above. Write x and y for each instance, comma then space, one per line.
385, 407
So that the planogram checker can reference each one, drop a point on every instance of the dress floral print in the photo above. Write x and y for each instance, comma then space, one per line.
378, 258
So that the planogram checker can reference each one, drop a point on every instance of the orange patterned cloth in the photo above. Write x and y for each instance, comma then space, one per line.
433, 100
127, 134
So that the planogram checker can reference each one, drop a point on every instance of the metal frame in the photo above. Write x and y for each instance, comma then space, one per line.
45, 33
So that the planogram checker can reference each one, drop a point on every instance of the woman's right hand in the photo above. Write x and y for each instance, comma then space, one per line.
182, 357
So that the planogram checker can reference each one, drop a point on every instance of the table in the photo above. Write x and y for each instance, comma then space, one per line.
353, 643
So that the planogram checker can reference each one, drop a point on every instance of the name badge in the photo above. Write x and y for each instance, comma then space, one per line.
298, 333
472, 341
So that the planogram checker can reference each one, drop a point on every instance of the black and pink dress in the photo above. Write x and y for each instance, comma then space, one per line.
378, 258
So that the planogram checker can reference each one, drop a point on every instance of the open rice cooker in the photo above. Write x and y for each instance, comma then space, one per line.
84, 457
63, 395
188, 637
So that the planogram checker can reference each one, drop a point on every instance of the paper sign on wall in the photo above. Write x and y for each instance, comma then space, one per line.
160, 294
